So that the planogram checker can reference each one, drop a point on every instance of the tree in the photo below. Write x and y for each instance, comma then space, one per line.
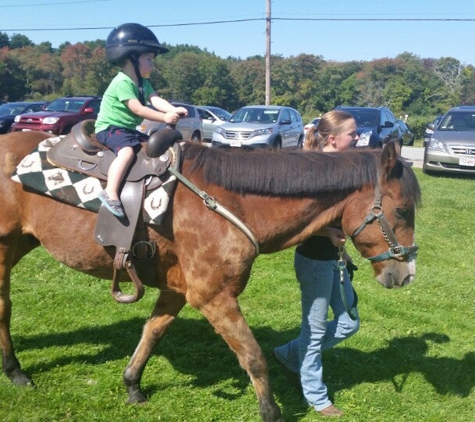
4, 40
20, 41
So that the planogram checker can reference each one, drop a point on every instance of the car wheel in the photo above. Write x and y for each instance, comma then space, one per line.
196, 137
277, 143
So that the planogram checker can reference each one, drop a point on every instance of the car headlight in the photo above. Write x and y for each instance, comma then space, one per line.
2, 123
429, 131
50, 120
220, 130
261, 132
363, 141
436, 145
17, 119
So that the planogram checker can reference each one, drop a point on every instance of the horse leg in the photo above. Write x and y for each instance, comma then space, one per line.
225, 316
10, 364
168, 305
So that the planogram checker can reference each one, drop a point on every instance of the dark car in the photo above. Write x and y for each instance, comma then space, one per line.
430, 129
451, 148
59, 116
375, 125
407, 136
9, 111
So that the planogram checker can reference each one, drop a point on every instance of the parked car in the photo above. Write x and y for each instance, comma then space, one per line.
261, 126
313, 123
451, 148
376, 125
212, 117
191, 127
407, 136
9, 111
430, 128
59, 116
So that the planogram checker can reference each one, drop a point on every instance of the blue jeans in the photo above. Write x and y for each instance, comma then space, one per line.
320, 288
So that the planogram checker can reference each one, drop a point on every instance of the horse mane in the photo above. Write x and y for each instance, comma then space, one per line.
293, 172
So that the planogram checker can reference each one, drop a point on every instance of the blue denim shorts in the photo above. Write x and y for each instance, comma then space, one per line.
115, 138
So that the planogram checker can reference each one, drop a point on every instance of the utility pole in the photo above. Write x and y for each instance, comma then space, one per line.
268, 42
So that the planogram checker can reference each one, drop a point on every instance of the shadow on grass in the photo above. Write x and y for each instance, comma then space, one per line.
192, 347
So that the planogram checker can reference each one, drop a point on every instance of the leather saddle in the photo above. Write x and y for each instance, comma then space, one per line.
81, 152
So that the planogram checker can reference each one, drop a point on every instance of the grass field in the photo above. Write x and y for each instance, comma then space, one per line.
413, 359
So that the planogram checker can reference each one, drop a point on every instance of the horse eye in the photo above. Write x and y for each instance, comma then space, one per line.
402, 213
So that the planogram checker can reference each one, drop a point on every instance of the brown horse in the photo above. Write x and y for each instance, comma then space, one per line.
283, 197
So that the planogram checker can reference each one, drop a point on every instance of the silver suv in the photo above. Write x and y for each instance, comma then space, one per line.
261, 126
191, 127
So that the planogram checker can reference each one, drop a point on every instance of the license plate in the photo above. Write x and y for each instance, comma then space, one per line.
467, 161
235, 143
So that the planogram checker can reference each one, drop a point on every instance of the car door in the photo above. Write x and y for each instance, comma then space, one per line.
285, 127
209, 122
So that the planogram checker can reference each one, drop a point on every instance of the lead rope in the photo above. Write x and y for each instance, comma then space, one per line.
341, 266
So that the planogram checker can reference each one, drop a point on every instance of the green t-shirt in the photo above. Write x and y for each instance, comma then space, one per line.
113, 111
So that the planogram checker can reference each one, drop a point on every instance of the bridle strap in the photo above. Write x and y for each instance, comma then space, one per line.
395, 249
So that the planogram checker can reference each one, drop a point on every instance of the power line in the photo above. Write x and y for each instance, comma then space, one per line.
251, 20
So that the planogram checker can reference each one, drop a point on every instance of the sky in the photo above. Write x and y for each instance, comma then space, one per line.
337, 30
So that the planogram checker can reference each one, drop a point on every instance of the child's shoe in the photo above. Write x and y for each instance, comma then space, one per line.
115, 207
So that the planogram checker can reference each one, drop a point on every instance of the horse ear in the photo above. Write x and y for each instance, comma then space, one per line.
389, 158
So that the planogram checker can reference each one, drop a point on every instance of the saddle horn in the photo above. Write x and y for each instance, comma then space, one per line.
161, 140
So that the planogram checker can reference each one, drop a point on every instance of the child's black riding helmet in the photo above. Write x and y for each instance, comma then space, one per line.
131, 38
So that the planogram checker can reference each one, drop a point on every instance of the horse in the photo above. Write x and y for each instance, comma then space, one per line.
282, 197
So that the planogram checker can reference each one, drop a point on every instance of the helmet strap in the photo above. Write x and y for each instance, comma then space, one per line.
135, 61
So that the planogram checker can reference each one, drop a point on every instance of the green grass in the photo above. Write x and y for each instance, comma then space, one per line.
412, 360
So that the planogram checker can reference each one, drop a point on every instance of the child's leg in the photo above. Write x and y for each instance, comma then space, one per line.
117, 171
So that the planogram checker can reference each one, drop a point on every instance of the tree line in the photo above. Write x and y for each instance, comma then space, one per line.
408, 84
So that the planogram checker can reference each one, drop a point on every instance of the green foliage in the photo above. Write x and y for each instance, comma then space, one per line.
407, 83
412, 359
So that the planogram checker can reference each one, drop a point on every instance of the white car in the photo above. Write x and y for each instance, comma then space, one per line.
313, 123
212, 117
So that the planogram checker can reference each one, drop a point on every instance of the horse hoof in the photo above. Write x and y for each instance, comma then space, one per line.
21, 379
136, 396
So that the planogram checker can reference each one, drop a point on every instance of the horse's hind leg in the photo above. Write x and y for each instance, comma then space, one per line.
224, 314
168, 305
10, 364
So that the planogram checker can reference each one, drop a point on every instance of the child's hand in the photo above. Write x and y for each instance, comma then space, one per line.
172, 117
182, 111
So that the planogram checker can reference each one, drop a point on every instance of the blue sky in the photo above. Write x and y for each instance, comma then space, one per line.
194, 22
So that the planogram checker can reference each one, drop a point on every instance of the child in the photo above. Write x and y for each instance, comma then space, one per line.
132, 47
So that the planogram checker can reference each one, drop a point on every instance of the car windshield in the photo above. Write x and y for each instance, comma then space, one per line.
459, 121
255, 115
365, 118
11, 109
65, 104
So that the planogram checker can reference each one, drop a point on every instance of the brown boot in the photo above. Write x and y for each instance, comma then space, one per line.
331, 411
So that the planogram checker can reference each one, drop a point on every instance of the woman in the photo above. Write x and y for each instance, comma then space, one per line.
316, 267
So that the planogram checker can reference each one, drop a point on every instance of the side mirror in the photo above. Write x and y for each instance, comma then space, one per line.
431, 126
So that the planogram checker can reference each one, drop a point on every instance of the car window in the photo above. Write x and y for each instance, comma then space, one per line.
204, 114
285, 115
458, 122
95, 105
33, 108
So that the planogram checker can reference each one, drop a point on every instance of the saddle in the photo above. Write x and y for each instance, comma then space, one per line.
81, 152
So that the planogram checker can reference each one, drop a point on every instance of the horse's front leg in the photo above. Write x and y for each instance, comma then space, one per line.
225, 316
10, 364
168, 305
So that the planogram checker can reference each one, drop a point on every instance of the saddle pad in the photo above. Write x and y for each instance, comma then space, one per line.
78, 189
